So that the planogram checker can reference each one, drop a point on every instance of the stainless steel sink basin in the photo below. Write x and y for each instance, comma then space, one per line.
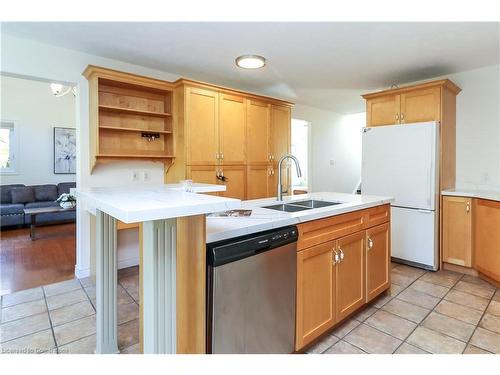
301, 205
315, 204
287, 207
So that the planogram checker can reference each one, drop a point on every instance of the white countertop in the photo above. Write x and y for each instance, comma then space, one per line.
493, 195
137, 203
261, 219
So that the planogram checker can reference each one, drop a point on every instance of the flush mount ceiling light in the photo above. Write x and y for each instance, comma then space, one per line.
250, 61
59, 90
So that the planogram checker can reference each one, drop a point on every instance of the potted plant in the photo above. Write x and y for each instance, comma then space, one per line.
66, 200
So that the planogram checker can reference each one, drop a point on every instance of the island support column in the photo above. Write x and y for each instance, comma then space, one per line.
158, 274
173, 285
106, 284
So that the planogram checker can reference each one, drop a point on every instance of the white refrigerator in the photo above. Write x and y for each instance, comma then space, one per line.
401, 161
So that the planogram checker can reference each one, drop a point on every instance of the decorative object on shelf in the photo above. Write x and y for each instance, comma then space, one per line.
64, 150
150, 136
66, 201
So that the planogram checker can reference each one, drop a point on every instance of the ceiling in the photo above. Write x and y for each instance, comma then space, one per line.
326, 65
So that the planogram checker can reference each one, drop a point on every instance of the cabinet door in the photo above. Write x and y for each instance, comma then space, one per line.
457, 231
232, 129
258, 119
421, 105
315, 293
201, 126
258, 181
202, 174
350, 274
280, 131
383, 110
235, 176
378, 261
487, 238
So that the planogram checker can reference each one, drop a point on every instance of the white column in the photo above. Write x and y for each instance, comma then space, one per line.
159, 286
106, 279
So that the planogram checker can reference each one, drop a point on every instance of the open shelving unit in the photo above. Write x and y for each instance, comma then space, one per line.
131, 117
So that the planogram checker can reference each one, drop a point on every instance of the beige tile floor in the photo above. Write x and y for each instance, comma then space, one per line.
60, 318
423, 312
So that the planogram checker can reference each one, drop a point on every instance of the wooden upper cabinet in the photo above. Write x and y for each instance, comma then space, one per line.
487, 238
202, 112
235, 181
457, 231
316, 287
350, 274
418, 103
258, 124
281, 118
383, 111
378, 255
421, 105
232, 129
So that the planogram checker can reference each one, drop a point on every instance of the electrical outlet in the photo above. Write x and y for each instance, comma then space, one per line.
146, 176
135, 176
332, 162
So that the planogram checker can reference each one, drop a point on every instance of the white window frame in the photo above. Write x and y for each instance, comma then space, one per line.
13, 147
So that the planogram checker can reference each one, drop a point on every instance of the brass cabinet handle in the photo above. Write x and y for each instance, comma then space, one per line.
370, 243
217, 155
397, 116
336, 258
402, 116
467, 207
222, 155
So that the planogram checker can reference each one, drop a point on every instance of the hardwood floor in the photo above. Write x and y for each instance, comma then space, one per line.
26, 264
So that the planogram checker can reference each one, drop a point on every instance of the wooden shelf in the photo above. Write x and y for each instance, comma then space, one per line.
119, 128
134, 156
133, 111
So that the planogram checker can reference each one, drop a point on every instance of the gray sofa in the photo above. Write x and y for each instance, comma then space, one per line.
15, 198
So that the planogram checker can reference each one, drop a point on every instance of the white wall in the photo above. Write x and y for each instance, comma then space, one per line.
478, 128
335, 139
36, 112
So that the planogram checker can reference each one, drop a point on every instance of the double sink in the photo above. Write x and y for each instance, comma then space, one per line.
301, 205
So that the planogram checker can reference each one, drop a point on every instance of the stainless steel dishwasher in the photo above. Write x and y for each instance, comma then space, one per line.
251, 293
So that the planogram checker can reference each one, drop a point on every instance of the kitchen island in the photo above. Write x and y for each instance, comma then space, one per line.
172, 266
342, 259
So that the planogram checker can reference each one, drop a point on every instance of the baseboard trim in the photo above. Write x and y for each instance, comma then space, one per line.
123, 263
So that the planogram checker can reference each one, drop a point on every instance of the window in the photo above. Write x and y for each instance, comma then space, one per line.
300, 149
8, 147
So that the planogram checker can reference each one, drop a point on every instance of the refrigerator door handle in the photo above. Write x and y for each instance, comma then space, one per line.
424, 211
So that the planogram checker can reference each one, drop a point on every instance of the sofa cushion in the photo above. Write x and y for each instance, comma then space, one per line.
63, 187
42, 204
12, 209
23, 194
5, 190
45, 192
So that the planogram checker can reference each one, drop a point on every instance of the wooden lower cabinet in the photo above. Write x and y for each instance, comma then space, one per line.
487, 238
330, 289
316, 291
206, 174
378, 254
350, 291
457, 231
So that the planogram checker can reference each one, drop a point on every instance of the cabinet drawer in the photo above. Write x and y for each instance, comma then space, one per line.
323, 230
377, 215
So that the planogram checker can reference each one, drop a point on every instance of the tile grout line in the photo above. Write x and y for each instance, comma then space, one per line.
479, 321
50, 321
430, 311
87, 295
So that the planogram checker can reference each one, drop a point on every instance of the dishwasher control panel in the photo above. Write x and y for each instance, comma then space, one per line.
227, 251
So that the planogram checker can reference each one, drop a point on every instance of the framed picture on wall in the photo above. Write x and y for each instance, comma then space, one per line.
64, 150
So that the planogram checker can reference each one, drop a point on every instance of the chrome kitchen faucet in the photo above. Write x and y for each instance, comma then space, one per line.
279, 195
